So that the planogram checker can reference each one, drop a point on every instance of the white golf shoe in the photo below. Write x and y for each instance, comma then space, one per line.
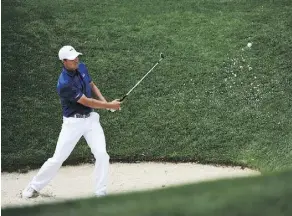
29, 192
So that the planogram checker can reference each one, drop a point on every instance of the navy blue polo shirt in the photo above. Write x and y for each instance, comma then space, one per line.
71, 86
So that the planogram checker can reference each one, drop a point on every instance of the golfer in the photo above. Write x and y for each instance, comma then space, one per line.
75, 88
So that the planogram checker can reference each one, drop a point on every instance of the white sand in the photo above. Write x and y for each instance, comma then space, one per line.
77, 181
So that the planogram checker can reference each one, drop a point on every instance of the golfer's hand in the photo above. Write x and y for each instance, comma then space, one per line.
115, 105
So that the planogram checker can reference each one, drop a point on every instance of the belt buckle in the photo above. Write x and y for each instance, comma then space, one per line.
78, 115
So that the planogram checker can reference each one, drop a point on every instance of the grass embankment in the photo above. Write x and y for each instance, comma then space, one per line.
212, 99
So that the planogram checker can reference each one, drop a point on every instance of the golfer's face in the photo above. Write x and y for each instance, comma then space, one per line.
71, 64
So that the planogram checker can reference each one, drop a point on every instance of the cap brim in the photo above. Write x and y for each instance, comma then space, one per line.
74, 56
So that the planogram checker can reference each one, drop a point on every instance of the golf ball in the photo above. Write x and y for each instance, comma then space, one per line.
249, 45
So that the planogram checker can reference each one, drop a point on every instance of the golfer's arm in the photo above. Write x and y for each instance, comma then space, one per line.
97, 92
93, 103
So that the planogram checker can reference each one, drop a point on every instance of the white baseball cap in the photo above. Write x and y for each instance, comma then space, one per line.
68, 52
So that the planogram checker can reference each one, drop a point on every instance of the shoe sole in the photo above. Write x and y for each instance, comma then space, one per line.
34, 195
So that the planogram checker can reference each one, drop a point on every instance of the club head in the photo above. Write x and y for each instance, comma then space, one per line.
162, 55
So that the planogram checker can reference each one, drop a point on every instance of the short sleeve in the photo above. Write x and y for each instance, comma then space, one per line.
89, 77
83, 66
70, 93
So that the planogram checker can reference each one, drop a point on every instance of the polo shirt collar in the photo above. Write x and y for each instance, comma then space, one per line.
70, 73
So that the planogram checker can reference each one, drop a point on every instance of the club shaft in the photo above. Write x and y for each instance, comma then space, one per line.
143, 77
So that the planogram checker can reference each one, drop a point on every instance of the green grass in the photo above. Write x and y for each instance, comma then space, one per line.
265, 195
209, 101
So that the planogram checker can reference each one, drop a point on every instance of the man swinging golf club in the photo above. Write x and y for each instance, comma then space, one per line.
74, 88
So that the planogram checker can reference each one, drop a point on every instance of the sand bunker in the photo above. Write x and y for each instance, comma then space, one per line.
77, 181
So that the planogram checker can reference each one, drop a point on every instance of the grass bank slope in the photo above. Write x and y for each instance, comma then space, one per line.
212, 100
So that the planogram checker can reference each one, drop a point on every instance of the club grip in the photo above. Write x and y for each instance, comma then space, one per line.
123, 98
120, 100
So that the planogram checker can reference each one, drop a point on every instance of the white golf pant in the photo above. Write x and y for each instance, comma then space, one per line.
72, 130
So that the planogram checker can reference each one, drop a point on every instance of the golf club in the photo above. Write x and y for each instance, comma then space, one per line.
161, 58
